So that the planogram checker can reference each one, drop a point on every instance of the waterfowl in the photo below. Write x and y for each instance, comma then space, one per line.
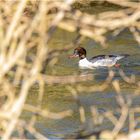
96, 61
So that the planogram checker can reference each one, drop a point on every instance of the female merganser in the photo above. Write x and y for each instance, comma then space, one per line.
96, 61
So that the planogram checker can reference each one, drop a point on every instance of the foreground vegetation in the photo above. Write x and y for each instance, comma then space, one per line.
25, 31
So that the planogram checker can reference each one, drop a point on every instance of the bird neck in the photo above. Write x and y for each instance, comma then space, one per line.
82, 57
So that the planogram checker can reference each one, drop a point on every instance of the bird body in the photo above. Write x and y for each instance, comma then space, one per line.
96, 61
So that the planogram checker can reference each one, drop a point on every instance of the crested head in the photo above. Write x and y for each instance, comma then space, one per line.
80, 52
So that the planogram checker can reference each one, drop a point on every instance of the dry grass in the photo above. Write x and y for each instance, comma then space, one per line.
26, 28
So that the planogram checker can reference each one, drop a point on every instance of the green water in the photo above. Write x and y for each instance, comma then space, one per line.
58, 98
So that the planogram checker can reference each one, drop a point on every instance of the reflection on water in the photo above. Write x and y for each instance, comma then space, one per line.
57, 98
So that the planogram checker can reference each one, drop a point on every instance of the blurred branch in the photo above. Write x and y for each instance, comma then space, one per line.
64, 79
46, 113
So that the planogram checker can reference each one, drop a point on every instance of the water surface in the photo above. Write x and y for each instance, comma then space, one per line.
58, 98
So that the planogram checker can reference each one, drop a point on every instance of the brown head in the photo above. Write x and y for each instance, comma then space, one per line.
79, 52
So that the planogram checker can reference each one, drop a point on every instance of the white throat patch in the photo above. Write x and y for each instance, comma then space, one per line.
84, 63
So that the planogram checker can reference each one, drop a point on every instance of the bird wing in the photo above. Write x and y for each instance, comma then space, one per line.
102, 57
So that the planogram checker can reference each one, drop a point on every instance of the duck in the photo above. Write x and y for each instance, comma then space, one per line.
96, 61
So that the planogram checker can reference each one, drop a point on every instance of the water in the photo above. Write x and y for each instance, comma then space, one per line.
58, 98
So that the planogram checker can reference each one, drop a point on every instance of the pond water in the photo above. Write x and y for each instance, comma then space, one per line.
58, 98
